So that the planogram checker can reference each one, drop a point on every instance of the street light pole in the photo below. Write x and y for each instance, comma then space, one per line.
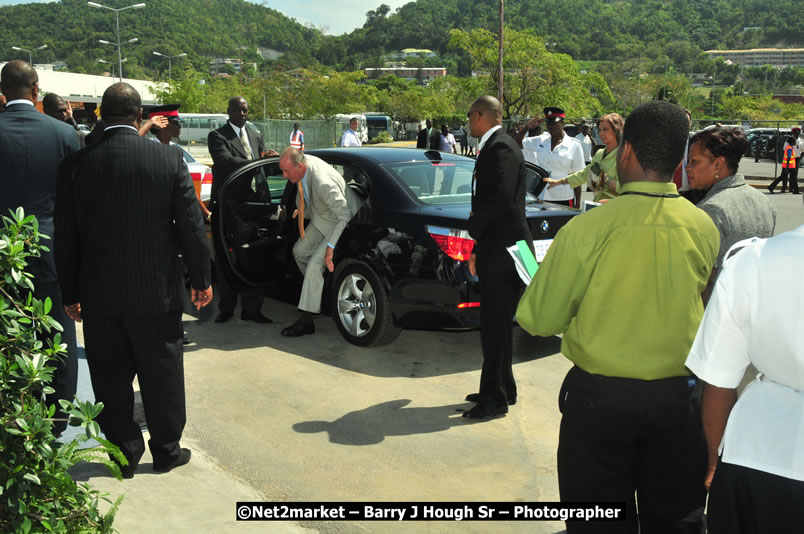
169, 58
500, 56
30, 52
117, 17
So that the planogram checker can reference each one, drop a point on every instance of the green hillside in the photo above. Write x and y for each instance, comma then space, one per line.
614, 30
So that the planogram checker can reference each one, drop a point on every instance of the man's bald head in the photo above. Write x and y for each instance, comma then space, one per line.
484, 113
18, 80
121, 104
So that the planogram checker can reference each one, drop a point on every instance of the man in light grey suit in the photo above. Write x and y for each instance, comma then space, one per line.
323, 198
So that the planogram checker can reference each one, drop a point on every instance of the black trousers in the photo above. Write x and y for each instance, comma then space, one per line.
227, 286
499, 295
150, 347
744, 500
621, 437
794, 176
65, 377
783, 178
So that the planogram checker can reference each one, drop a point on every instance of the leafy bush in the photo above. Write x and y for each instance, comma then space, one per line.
37, 493
382, 137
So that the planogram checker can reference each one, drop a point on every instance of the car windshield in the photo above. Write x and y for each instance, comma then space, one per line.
188, 158
436, 182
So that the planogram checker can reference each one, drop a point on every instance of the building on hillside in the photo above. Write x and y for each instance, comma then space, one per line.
218, 64
84, 91
423, 75
413, 52
757, 57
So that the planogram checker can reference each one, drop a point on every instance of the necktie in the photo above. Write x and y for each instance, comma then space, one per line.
300, 215
244, 140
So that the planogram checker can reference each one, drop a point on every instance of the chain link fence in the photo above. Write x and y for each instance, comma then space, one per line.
317, 133
766, 140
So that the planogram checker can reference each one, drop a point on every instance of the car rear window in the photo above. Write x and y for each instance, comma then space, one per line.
436, 182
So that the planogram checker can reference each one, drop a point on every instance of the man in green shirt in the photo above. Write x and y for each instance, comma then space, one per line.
623, 284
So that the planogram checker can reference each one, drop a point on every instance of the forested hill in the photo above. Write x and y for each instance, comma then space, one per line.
585, 29
590, 29
200, 28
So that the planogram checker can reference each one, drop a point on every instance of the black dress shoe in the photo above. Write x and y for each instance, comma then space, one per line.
255, 318
186, 341
181, 459
300, 328
486, 411
475, 397
223, 317
127, 472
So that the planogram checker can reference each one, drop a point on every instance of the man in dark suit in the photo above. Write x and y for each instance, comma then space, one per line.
232, 146
31, 147
496, 222
125, 211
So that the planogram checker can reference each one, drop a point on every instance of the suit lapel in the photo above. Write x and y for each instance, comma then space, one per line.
236, 143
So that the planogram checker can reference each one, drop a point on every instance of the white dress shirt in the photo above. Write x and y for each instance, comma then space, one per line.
754, 317
565, 159
237, 133
586, 145
350, 138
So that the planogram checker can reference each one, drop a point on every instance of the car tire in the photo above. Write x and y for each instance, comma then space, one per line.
361, 307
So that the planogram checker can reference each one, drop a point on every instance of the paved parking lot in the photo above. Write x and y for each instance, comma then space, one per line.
317, 419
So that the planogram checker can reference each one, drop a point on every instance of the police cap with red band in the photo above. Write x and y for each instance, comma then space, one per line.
553, 114
171, 111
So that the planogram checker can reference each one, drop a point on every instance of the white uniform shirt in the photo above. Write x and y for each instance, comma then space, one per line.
349, 138
798, 147
560, 162
586, 145
754, 316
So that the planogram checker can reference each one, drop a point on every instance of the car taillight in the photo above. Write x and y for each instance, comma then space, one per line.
468, 305
207, 178
196, 176
454, 243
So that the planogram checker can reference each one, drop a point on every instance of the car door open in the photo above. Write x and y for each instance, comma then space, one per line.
251, 221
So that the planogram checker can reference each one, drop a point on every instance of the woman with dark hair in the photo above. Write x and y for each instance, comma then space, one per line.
738, 210
601, 173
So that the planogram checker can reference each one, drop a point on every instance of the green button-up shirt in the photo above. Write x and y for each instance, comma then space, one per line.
606, 163
623, 282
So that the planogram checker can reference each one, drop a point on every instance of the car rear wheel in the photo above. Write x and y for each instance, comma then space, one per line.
361, 307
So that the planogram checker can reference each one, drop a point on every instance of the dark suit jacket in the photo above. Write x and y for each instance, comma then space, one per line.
431, 141
228, 153
31, 147
498, 203
126, 209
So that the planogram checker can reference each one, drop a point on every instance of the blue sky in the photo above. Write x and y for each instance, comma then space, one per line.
336, 16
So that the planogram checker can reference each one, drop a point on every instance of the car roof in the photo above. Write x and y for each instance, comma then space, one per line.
383, 155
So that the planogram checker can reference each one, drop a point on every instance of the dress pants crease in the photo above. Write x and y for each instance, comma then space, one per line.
150, 347
499, 295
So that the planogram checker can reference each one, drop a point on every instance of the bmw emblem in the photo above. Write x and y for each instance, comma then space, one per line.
544, 227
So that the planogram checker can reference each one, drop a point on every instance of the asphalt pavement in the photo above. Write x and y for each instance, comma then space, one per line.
316, 419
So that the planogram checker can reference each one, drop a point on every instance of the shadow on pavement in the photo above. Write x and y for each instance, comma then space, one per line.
372, 425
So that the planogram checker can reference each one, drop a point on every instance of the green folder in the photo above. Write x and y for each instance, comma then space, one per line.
527, 257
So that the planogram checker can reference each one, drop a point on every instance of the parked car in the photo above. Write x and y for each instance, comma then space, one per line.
200, 173
770, 142
402, 260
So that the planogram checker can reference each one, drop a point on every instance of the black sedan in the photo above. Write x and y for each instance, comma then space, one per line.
402, 261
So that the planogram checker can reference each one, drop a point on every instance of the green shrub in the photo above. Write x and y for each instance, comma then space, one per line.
382, 137
37, 493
